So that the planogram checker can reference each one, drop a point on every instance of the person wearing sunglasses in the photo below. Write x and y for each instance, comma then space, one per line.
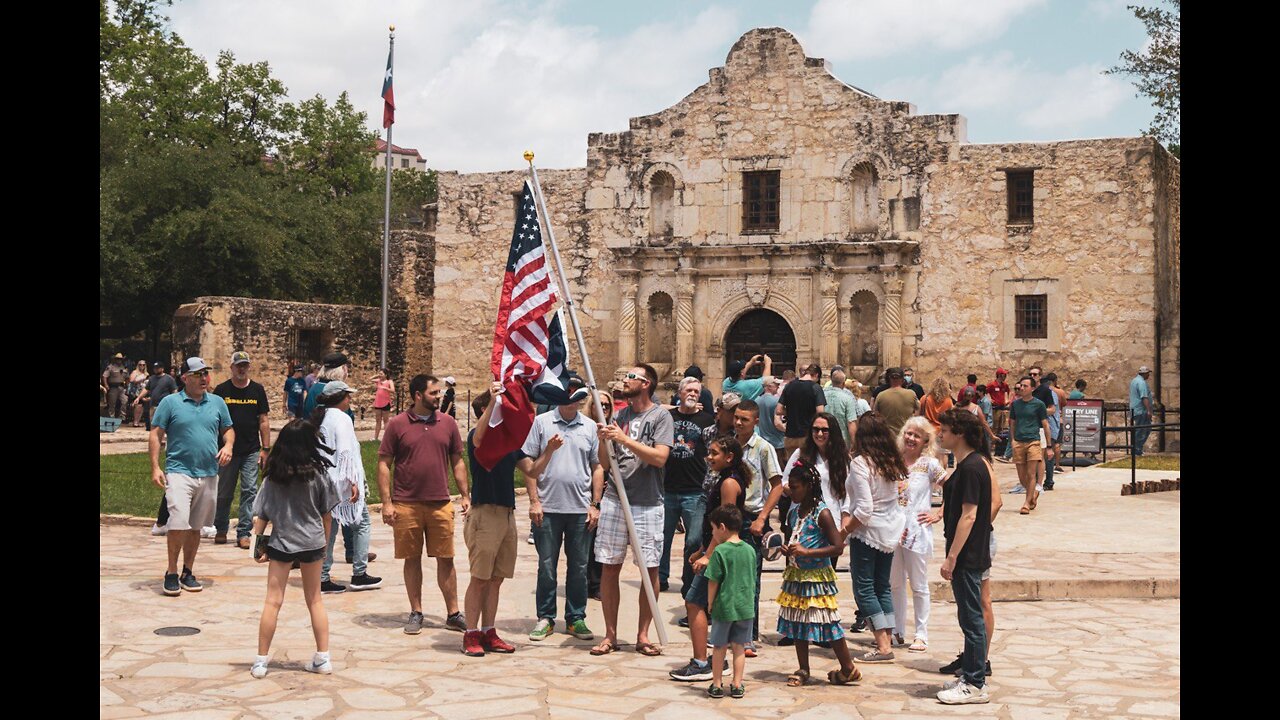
192, 421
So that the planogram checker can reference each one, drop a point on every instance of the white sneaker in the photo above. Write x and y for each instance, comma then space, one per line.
259, 669
963, 694
324, 668
159, 529
530, 538
208, 531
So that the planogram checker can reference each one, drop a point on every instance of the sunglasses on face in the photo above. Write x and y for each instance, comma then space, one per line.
822, 430
199, 373
633, 376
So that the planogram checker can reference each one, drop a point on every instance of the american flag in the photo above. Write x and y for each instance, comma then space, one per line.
520, 337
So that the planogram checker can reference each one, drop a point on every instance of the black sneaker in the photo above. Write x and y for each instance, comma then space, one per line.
365, 581
456, 622
683, 622
952, 667
737, 691
330, 587
1048, 486
189, 582
715, 692
171, 586
858, 625
693, 672
664, 586
987, 672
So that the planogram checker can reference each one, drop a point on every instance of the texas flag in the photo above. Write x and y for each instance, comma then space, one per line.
388, 97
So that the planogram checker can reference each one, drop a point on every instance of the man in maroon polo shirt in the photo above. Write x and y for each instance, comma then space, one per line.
998, 390
421, 442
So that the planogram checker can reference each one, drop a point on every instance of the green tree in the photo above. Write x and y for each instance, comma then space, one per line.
1157, 69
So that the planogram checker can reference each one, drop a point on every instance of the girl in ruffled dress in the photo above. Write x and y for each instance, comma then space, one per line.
808, 611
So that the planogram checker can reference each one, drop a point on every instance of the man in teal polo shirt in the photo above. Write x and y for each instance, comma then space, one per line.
192, 419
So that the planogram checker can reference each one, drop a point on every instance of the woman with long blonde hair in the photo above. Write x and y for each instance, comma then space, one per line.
918, 443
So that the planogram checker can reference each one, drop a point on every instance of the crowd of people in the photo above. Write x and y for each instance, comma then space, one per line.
849, 470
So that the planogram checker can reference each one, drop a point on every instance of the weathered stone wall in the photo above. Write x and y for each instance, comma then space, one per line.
1168, 204
476, 215
1091, 249
214, 327
411, 306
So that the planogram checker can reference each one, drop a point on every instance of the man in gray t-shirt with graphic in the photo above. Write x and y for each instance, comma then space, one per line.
642, 437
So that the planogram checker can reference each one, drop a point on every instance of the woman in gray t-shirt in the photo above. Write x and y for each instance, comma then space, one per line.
297, 499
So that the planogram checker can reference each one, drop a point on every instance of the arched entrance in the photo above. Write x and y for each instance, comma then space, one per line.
761, 331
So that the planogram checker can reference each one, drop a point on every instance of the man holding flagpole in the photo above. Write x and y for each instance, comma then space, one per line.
642, 437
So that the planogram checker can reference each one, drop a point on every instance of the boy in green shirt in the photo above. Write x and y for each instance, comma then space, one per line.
731, 587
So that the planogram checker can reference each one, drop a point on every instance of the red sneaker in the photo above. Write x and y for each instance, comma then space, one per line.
496, 644
473, 643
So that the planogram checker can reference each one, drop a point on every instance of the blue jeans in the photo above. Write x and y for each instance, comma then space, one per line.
246, 467
356, 540
1141, 431
749, 517
871, 570
966, 586
691, 507
571, 530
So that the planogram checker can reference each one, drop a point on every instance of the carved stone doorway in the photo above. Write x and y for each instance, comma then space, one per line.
864, 330
761, 332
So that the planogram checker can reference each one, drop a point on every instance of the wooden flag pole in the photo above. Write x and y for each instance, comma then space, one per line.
614, 473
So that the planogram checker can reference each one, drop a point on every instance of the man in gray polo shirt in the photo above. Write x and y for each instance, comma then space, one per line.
192, 419
565, 481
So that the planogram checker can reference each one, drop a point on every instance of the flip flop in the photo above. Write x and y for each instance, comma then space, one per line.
648, 649
604, 648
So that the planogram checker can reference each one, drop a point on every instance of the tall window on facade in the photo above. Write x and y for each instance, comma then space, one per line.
866, 199
662, 193
1031, 316
761, 198
1020, 188
404, 162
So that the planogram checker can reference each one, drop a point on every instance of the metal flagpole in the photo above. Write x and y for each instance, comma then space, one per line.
595, 402
386, 225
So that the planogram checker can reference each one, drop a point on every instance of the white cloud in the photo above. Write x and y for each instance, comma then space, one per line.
1107, 9
1042, 103
860, 29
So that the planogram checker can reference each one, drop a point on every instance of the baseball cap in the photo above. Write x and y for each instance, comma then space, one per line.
335, 360
157, 364
118, 356
448, 380
772, 545
1001, 371
239, 356
194, 364
1143, 370
728, 401
694, 372
893, 372
334, 387
299, 368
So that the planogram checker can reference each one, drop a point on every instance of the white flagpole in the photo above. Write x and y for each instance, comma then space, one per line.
595, 402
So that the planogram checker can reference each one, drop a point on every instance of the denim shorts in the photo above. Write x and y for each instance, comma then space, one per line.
724, 632
697, 593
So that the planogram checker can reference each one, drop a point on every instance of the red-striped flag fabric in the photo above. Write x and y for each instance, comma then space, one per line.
520, 343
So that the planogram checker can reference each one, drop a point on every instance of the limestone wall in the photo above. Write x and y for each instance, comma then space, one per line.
476, 215
214, 327
1168, 202
1091, 249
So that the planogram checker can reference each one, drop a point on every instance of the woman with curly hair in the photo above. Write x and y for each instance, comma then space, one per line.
876, 495
917, 442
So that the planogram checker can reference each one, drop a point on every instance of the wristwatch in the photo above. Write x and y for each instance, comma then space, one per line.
595, 504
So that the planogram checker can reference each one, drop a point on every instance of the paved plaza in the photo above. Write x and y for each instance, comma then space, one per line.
1103, 641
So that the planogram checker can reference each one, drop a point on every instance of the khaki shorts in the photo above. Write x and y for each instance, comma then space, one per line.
191, 500
490, 534
419, 522
1030, 451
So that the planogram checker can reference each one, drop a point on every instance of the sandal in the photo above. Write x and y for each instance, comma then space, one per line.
1025, 510
918, 645
648, 649
604, 648
838, 677
798, 678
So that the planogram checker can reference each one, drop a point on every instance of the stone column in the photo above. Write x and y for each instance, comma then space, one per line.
844, 327
891, 343
627, 327
684, 322
829, 338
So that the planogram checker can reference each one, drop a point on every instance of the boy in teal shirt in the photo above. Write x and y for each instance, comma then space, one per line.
731, 587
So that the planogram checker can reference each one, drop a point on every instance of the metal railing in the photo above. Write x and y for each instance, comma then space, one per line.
1129, 431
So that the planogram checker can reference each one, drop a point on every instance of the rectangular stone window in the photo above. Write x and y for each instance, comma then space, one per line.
761, 194
1031, 316
311, 344
1020, 186
404, 162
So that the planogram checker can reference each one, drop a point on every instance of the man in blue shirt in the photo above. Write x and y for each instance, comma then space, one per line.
295, 389
192, 419
737, 382
1140, 406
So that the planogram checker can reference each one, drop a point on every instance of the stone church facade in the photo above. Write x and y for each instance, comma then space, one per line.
778, 208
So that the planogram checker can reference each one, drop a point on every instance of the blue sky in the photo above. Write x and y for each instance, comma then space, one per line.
479, 81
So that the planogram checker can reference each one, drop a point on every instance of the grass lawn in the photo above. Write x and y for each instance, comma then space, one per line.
1148, 462
125, 487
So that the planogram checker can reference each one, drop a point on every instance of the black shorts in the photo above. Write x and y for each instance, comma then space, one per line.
306, 556
384, 407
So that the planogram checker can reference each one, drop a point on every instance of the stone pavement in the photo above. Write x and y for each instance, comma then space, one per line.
1101, 656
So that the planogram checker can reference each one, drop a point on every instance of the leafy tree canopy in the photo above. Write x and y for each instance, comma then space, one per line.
1157, 69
